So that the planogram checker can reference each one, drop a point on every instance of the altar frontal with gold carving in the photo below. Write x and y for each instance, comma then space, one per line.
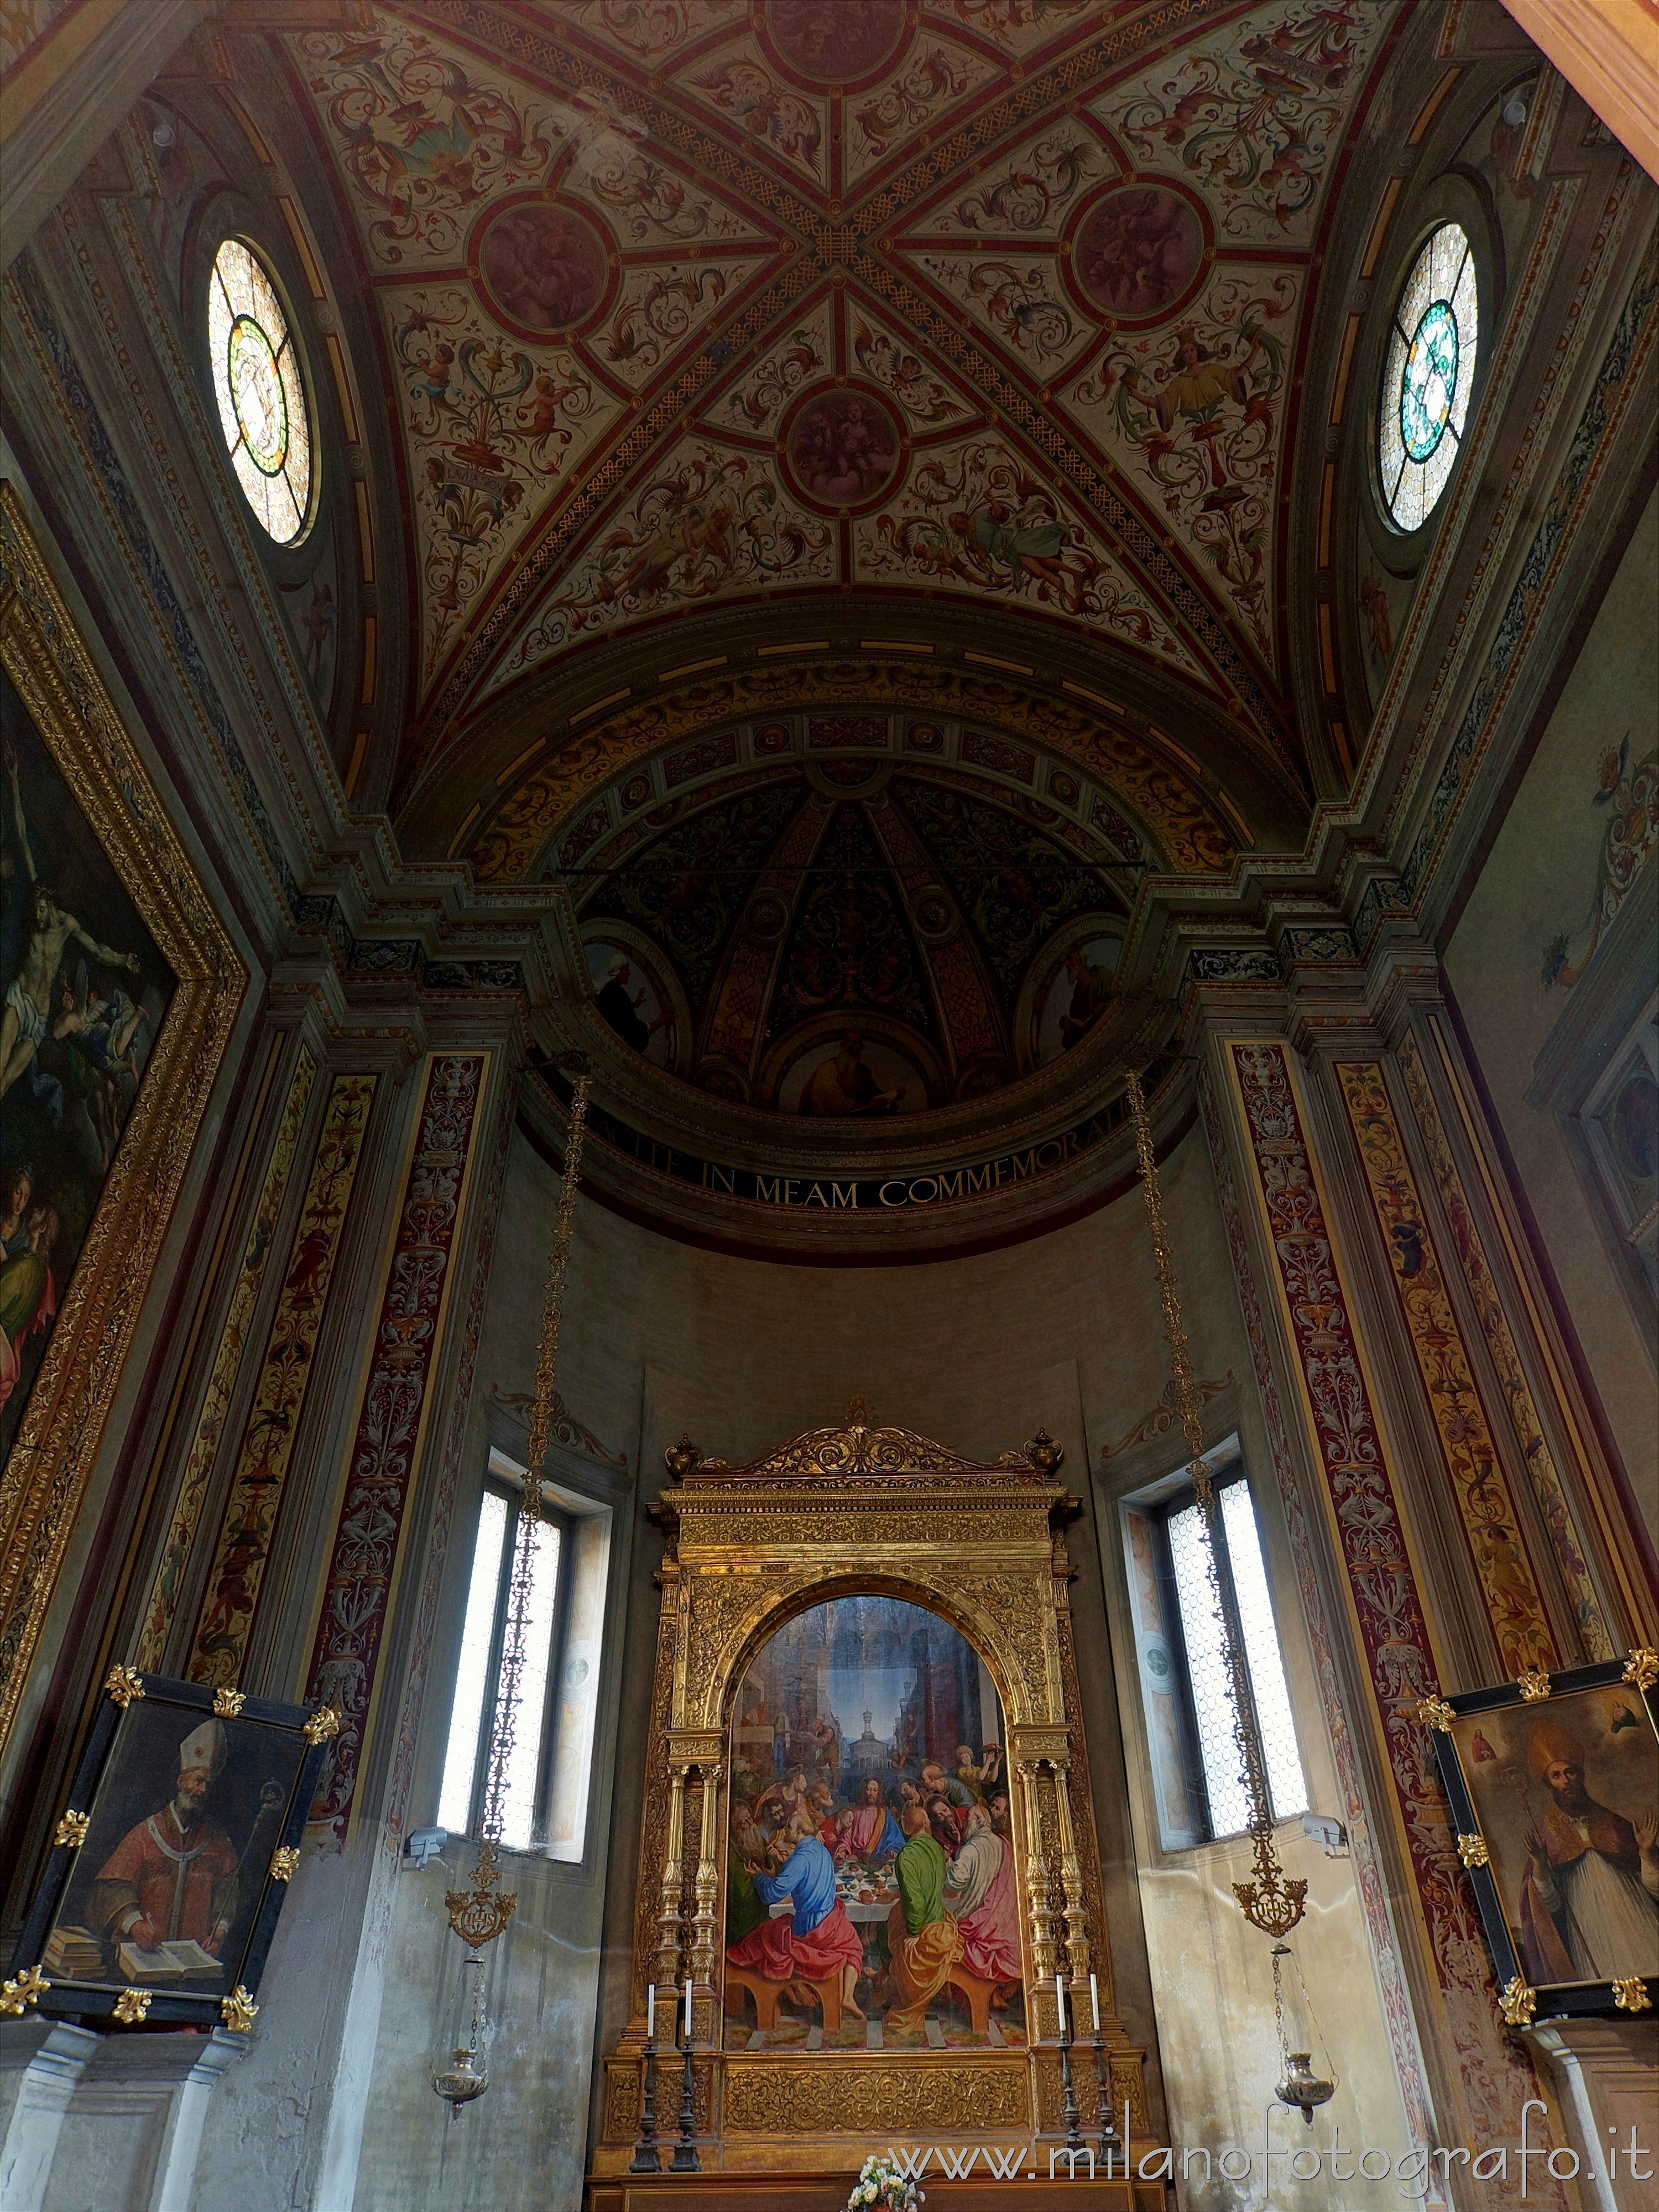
868, 1831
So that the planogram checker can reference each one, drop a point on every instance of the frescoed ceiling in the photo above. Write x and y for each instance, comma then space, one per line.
691, 307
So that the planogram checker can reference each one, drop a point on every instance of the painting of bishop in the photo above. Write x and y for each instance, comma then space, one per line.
83, 990
183, 1823
871, 1899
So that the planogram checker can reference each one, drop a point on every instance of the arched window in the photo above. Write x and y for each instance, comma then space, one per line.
1426, 381
261, 394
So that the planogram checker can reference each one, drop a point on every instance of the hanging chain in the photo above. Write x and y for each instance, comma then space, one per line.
476, 1915
1271, 1902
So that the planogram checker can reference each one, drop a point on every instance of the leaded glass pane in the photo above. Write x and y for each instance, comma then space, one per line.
1213, 1697
524, 1763
1273, 1697
1427, 377
1214, 1704
466, 1714
260, 393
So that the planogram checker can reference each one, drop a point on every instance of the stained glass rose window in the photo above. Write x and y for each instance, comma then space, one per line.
1427, 377
261, 394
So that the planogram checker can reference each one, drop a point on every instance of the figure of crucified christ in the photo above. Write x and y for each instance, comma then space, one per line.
27, 1016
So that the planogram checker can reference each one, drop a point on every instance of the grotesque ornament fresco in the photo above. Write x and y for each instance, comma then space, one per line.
984, 298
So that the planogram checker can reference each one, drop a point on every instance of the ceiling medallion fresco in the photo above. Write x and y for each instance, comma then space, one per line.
687, 302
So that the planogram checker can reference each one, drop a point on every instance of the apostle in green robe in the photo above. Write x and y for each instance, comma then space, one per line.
923, 1940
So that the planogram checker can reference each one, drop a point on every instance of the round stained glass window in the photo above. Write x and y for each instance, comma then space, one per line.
1426, 378
257, 382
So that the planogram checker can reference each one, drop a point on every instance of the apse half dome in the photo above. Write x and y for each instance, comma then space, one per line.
847, 940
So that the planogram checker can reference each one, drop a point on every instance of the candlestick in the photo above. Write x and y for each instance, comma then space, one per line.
685, 2159
1073, 2133
1094, 2001
647, 2159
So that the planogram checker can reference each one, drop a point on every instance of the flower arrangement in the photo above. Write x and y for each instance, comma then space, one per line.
882, 2186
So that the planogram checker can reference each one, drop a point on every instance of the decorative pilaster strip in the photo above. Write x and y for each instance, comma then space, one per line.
1548, 1486
1379, 1580
221, 1379
234, 1580
1508, 1585
1368, 1870
386, 1450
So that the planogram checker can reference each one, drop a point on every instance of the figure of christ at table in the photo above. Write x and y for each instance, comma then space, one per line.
978, 1889
923, 1940
871, 1833
816, 1939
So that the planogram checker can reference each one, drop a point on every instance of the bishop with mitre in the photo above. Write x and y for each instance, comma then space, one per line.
174, 1876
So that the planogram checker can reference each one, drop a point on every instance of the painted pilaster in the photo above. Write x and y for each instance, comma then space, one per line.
1329, 1341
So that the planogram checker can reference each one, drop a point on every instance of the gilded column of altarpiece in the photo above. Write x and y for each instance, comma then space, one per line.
839, 1513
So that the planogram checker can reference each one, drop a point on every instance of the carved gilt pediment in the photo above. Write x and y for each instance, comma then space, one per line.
860, 1449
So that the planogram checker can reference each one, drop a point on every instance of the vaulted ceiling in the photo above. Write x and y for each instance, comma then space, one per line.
715, 316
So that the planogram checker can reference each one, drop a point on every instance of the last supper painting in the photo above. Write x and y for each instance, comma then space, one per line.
871, 1895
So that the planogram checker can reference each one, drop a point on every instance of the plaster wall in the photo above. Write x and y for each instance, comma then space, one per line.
661, 1336
1531, 912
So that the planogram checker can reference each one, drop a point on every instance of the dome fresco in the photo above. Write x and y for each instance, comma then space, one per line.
850, 938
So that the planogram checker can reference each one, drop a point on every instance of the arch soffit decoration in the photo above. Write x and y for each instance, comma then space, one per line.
1191, 817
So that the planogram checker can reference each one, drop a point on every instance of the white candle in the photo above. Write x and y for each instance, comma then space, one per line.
1094, 2001
687, 2009
1060, 1999
651, 2013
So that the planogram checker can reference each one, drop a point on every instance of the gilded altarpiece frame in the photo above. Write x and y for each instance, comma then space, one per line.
46, 1474
842, 1512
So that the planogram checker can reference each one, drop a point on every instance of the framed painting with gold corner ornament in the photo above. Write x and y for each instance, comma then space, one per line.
171, 1858
107, 831
1554, 1785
